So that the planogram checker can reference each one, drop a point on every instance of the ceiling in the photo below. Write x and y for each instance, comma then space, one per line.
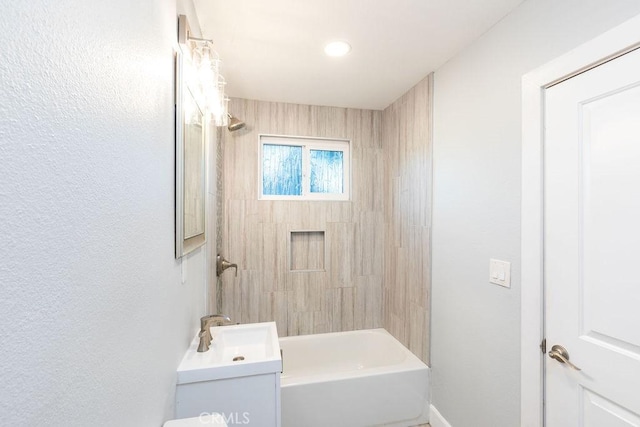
273, 50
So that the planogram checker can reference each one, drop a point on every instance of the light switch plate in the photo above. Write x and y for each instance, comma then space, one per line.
500, 272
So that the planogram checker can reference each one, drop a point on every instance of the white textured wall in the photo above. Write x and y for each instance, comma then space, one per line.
93, 315
475, 325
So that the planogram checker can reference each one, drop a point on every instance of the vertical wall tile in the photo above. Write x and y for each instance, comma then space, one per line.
406, 142
373, 308
333, 304
340, 240
376, 272
301, 323
347, 306
256, 233
273, 307
359, 303
249, 296
416, 334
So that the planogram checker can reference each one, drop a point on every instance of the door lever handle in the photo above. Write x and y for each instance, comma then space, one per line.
561, 354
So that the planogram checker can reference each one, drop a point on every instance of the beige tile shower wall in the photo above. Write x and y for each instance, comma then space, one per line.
347, 295
406, 145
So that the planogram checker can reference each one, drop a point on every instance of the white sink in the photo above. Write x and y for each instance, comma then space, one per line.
235, 351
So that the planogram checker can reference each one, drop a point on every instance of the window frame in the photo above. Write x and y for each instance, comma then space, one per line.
308, 143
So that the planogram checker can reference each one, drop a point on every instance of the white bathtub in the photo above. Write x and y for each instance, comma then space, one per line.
352, 379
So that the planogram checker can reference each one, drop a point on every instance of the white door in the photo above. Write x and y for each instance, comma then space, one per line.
592, 246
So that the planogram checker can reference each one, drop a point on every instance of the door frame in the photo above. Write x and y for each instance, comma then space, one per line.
608, 46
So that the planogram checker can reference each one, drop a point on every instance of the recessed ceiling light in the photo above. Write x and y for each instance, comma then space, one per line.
338, 48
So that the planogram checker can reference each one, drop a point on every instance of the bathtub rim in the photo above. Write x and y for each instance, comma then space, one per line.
409, 364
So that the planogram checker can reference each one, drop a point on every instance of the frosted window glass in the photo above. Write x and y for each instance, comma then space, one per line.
326, 171
281, 170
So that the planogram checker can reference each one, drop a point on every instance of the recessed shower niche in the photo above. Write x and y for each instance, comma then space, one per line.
307, 251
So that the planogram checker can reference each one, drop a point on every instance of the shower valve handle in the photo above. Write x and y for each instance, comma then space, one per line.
222, 264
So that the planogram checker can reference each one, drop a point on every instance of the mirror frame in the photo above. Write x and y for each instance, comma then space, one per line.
185, 245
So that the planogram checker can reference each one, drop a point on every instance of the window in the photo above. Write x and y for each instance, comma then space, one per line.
294, 168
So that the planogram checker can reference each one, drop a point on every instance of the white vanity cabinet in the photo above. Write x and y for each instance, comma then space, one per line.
253, 400
238, 377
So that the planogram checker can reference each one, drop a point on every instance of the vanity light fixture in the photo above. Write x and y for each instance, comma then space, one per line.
337, 48
203, 73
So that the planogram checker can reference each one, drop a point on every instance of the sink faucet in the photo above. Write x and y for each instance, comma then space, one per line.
205, 333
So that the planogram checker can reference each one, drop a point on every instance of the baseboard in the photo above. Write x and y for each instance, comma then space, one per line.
436, 419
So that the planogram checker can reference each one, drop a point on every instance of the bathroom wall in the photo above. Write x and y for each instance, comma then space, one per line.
95, 311
406, 145
476, 209
255, 233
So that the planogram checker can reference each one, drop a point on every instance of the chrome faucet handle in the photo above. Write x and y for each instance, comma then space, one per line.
222, 264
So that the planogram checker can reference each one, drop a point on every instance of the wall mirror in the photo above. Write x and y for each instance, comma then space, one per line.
190, 164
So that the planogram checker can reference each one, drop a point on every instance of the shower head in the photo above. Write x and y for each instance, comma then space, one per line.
235, 124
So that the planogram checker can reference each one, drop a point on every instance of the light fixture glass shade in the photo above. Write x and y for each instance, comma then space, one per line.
203, 78
224, 120
217, 105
